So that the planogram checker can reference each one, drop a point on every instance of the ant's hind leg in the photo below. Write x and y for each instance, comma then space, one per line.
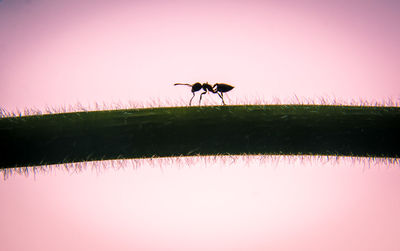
222, 97
190, 102
201, 96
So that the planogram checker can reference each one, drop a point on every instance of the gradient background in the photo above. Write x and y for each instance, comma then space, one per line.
59, 53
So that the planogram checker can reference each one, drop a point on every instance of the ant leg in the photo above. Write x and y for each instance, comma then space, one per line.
201, 96
222, 97
190, 103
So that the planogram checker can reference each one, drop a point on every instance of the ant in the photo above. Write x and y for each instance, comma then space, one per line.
218, 88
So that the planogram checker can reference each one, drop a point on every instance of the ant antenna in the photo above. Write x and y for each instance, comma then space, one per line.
182, 84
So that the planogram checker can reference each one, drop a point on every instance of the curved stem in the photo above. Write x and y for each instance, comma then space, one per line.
181, 131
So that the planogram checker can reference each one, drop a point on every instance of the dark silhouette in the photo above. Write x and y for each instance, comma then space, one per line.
221, 88
218, 88
195, 87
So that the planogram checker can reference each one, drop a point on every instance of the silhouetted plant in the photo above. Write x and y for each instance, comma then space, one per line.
191, 131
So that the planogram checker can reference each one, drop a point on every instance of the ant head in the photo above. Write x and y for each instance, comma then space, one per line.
196, 87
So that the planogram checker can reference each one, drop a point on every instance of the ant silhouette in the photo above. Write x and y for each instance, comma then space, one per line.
218, 88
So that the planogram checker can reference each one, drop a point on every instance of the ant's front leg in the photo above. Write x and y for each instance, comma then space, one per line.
190, 103
201, 96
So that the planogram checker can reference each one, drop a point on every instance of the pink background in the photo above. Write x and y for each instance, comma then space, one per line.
59, 53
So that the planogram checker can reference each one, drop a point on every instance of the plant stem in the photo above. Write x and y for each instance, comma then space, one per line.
209, 130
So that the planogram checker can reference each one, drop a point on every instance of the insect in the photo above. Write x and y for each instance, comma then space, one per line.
218, 88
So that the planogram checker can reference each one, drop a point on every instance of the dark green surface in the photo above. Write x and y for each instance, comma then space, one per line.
159, 132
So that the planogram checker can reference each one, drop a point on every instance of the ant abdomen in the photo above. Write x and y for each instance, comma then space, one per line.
221, 87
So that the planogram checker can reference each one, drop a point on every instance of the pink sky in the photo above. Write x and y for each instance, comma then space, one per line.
58, 53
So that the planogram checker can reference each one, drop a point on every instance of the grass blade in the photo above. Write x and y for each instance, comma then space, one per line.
208, 130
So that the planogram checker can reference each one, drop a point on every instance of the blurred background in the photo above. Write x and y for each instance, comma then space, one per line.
61, 53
